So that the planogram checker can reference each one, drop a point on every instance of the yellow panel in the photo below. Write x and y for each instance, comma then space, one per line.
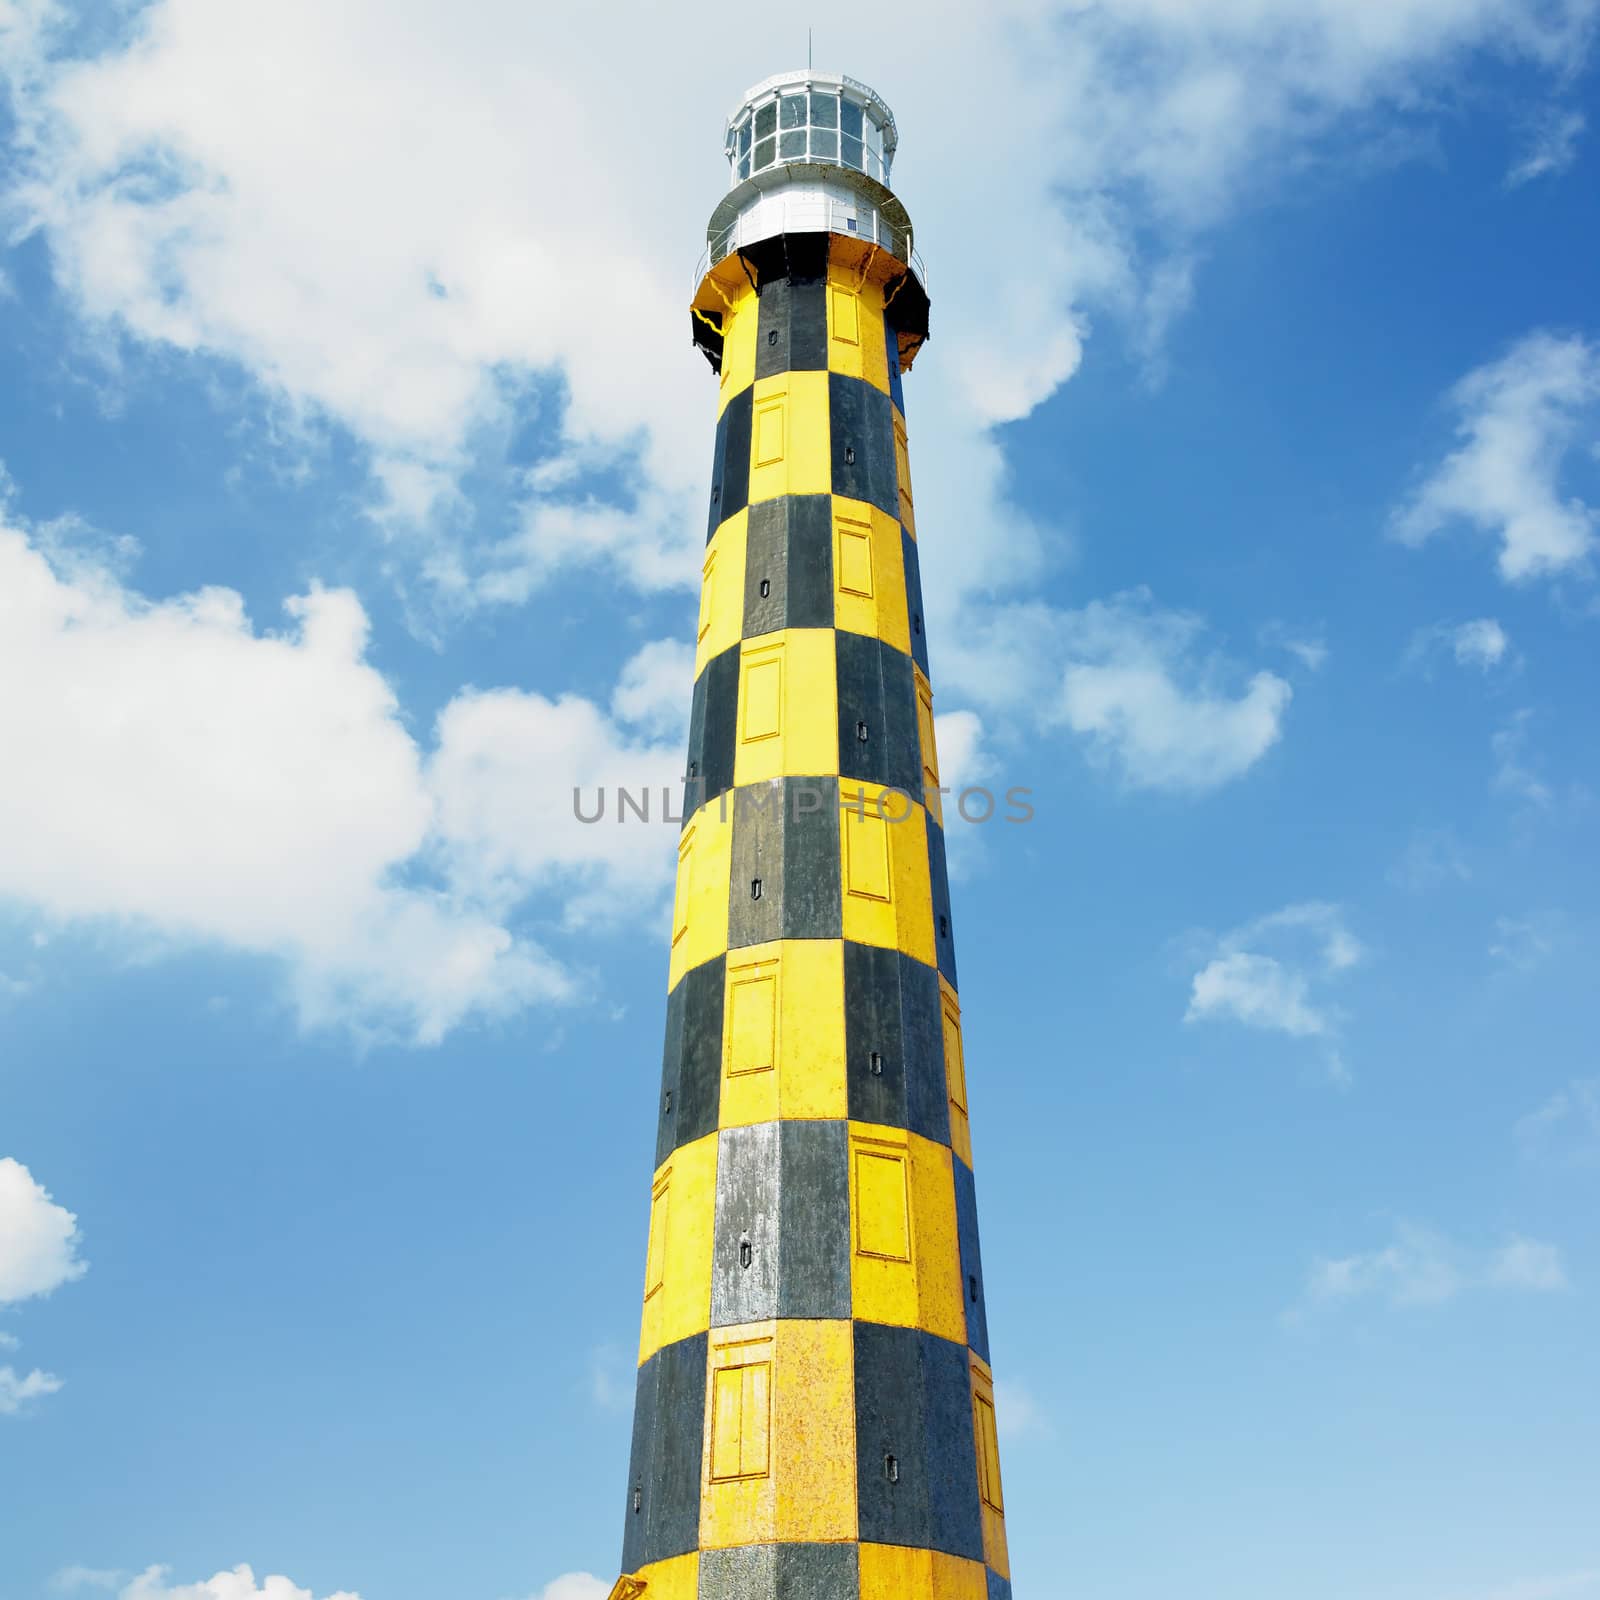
991, 1499
655, 1269
708, 582
738, 346
762, 715
677, 1579
902, 464
941, 1306
874, 351
930, 751
913, 893
881, 1290
894, 626
811, 1079
722, 591
905, 1266
870, 601
753, 1037
752, 1031
855, 325
870, 817
897, 1572
844, 321
771, 415
741, 1414
790, 452
781, 1408
853, 554
955, 1073
805, 979
855, 605
700, 904
683, 893
883, 1202
682, 1217
866, 855
788, 707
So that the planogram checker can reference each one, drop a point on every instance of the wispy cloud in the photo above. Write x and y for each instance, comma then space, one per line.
611, 1379
1306, 645
1568, 1586
1525, 943
17, 1388
1017, 1412
1271, 975
71, 1578
1421, 1267
1514, 771
1519, 419
1153, 701
1565, 1130
1481, 643
1433, 857
1552, 148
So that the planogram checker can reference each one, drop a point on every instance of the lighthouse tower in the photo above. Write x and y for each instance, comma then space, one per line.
814, 1416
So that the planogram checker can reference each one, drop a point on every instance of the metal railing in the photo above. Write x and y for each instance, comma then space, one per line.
818, 216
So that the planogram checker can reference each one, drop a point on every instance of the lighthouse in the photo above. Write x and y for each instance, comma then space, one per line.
814, 1415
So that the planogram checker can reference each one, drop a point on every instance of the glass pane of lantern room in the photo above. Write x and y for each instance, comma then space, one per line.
744, 137
824, 110
764, 153
766, 121
850, 119
852, 152
792, 111
792, 146
824, 144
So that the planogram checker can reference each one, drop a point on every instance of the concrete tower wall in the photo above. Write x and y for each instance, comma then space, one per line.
815, 1407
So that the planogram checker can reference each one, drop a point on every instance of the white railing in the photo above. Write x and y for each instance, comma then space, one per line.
812, 215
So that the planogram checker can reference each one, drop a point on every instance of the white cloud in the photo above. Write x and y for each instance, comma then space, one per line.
38, 1239
1481, 643
1423, 1267
1152, 706
266, 190
1565, 1130
178, 773
1513, 773
574, 1586
1433, 857
1527, 1264
1519, 419
1523, 943
239, 1584
1269, 975
655, 688
16, 1389
1552, 149
69, 1578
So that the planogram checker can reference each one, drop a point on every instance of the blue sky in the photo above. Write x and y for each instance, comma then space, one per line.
355, 458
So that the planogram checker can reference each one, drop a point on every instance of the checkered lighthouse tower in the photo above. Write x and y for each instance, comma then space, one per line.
815, 1409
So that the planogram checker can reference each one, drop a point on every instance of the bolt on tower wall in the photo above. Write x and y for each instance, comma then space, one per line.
815, 1408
